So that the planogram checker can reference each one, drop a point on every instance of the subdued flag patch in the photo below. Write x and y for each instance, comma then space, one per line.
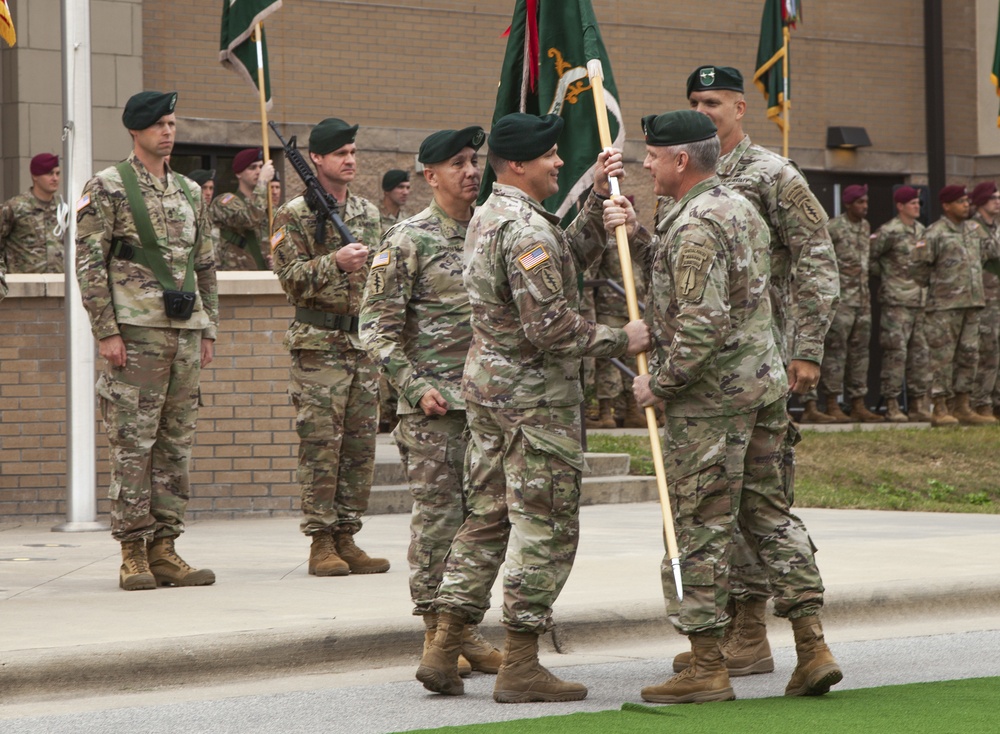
533, 258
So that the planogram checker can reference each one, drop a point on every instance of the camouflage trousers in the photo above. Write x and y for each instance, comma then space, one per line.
608, 382
433, 452
987, 388
953, 339
845, 353
336, 402
522, 471
388, 398
726, 473
905, 356
150, 410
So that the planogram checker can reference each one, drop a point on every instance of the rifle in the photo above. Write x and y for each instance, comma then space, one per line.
318, 198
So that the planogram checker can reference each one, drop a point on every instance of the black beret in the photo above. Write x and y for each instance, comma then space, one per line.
521, 137
714, 77
443, 144
143, 109
677, 128
200, 176
330, 134
393, 178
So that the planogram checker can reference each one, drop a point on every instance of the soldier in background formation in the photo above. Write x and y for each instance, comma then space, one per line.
147, 277
30, 231
242, 216
206, 179
277, 195
986, 393
395, 194
334, 382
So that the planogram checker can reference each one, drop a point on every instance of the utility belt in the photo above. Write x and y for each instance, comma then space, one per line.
324, 320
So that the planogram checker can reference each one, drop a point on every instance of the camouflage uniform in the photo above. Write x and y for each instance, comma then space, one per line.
27, 240
717, 366
149, 406
387, 220
333, 380
522, 392
987, 388
3, 280
415, 323
902, 334
388, 398
236, 217
949, 261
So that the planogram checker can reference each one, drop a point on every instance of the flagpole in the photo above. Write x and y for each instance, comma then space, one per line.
788, 102
258, 35
596, 72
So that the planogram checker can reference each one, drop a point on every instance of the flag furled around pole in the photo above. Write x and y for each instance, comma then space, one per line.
544, 71
772, 70
995, 72
7, 24
237, 47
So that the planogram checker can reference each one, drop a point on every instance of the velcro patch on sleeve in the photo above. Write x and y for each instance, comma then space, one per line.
226, 198
277, 238
381, 260
533, 258
693, 264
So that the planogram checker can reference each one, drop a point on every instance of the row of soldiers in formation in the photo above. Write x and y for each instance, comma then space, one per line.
475, 316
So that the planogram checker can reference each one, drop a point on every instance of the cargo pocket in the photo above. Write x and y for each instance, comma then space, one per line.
314, 412
699, 485
553, 466
119, 403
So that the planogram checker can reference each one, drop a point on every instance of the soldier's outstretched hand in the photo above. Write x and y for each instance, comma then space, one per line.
618, 211
351, 257
609, 165
638, 336
642, 392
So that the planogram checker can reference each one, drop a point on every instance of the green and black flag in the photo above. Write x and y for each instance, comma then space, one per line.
772, 50
237, 49
544, 71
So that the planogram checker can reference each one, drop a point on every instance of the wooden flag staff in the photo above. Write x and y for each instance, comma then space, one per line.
258, 36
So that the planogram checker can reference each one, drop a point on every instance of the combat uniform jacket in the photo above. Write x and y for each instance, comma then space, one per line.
387, 220
991, 283
852, 244
949, 261
28, 243
236, 217
120, 291
415, 311
893, 253
308, 272
710, 313
521, 271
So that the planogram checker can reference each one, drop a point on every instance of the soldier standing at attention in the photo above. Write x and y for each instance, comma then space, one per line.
804, 288
147, 277
986, 394
522, 397
334, 382
395, 194
902, 334
718, 369
206, 179
242, 217
949, 262
276, 194
30, 233
415, 322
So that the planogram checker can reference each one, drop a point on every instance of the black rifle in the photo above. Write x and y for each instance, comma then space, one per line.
318, 198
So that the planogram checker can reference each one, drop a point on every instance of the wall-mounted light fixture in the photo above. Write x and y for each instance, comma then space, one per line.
847, 138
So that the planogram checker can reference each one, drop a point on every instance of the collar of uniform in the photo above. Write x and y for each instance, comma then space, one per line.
148, 179
728, 162
699, 188
513, 192
450, 229
991, 228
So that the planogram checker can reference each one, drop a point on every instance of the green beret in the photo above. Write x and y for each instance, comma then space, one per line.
331, 134
443, 144
677, 128
394, 178
143, 109
521, 137
714, 77
200, 176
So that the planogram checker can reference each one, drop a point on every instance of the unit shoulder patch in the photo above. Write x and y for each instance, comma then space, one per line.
693, 265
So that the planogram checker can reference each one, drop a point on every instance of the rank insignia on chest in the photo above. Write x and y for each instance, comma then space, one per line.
533, 258
381, 260
226, 198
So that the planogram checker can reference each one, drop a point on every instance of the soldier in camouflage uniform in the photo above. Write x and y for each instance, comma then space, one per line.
142, 243
986, 394
845, 357
949, 262
522, 395
242, 217
902, 334
395, 194
334, 381
804, 288
30, 231
415, 323
206, 179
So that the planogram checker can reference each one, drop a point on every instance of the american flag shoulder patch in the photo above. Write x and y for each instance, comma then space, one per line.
920, 243
533, 258
83, 202
226, 198
381, 260
277, 237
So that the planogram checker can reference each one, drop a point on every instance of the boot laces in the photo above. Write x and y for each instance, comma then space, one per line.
170, 554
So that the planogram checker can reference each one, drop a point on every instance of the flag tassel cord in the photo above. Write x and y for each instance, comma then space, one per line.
258, 36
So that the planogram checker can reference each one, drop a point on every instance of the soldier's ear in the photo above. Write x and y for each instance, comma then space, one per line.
430, 176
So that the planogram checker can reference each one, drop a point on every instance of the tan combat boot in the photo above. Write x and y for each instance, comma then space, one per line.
942, 416
893, 412
920, 410
833, 410
323, 558
357, 559
812, 414
985, 410
169, 569
706, 679
605, 417
635, 417
816, 670
967, 416
861, 414
522, 679
744, 644
430, 629
438, 669
134, 574
481, 655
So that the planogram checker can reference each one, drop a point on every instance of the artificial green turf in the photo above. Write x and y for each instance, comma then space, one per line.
951, 707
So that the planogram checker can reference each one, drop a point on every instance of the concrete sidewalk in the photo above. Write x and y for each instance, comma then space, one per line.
67, 626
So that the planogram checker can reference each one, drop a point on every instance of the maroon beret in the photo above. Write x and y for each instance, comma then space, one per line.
951, 193
905, 194
244, 158
43, 163
982, 193
853, 193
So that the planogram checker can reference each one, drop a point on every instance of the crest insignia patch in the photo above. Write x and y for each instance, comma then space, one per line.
707, 76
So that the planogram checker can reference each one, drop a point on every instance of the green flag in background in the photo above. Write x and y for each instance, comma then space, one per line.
545, 71
237, 49
995, 73
771, 51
